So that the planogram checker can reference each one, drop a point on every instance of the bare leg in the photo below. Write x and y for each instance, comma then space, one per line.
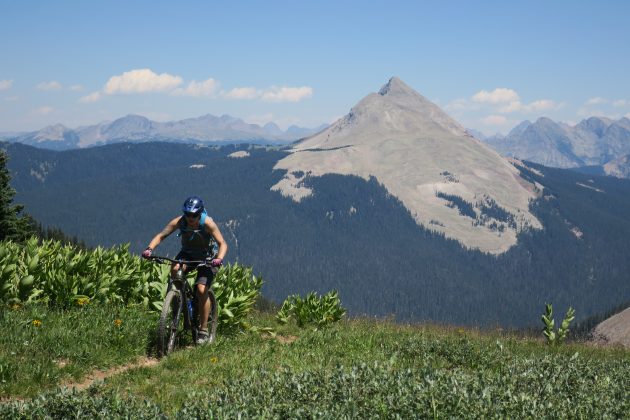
175, 268
203, 306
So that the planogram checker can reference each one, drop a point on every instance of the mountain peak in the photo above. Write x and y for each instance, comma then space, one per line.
520, 129
545, 120
52, 132
395, 86
132, 117
272, 128
595, 125
416, 151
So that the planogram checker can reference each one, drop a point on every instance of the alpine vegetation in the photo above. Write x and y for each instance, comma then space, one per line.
554, 337
313, 309
64, 276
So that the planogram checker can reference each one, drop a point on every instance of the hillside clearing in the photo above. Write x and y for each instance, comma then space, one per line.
355, 368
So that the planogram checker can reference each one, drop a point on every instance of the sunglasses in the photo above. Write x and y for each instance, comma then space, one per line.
192, 215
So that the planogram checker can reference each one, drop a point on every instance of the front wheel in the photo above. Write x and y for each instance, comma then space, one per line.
171, 322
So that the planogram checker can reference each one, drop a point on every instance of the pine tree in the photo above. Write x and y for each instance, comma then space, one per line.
13, 225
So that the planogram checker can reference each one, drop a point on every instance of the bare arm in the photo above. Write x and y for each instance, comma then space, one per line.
168, 229
213, 229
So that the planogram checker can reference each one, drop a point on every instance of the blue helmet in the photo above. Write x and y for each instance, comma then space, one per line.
193, 204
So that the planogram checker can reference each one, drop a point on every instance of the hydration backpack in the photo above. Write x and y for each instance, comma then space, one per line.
212, 247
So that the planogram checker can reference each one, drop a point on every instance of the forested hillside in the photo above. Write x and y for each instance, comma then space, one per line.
350, 235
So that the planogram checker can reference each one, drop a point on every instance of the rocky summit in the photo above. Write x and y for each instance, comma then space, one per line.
593, 142
448, 180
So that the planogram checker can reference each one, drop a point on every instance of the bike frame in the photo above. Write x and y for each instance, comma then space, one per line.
180, 282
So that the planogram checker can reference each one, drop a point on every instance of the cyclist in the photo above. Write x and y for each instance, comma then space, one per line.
197, 231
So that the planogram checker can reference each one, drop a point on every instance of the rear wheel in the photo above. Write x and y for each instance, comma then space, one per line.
171, 323
212, 317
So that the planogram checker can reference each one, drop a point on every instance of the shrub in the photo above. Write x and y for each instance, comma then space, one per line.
66, 276
556, 337
236, 289
63, 275
318, 310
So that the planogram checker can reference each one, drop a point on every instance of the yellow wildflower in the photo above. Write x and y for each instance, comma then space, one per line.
37, 323
118, 322
83, 301
214, 360
16, 306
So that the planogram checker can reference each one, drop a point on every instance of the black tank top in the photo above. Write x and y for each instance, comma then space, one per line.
195, 242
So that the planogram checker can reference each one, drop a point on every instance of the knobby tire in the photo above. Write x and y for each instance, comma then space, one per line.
171, 322
212, 317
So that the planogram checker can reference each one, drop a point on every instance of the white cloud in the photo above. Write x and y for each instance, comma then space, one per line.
587, 112
494, 120
499, 95
76, 88
272, 94
92, 97
620, 102
45, 110
6, 84
513, 106
627, 115
52, 85
539, 105
11, 98
141, 81
287, 94
243, 93
145, 80
596, 101
456, 105
206, 88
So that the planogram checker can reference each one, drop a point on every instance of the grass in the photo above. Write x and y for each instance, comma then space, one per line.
356, 368
41, 348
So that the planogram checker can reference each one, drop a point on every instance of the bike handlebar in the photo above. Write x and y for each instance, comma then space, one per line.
166, 260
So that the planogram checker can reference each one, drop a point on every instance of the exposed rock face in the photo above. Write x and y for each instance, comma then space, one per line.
593, 141
619, 167
445, 177
55, 137
614, 330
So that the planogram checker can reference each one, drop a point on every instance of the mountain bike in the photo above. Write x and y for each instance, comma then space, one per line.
179, 310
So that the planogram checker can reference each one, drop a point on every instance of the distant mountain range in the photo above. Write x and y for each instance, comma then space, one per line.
395, 205
594, 142
136, 128
350, 234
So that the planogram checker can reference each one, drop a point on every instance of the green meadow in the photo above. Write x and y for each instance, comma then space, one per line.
357, 368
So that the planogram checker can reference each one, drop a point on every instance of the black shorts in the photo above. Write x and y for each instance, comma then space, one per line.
205, 275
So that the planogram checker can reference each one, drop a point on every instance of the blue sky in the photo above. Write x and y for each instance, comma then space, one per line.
489, 64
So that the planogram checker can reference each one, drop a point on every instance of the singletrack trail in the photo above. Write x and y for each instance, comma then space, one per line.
100, 375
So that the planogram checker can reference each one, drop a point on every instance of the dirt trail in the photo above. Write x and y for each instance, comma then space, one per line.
100, 375
97, 375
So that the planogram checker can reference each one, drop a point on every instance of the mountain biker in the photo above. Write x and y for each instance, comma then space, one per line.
197, 231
